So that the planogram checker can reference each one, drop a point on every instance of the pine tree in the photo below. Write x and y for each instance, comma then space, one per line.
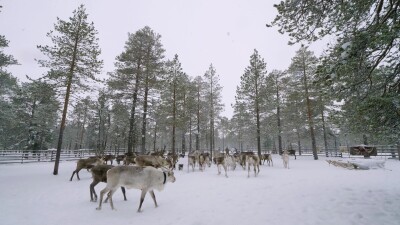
172, 96
200, 107
72, 60
274, 91
8, 88
213, 96
304, 65
80, 118
249, 92
36, 112
137, 70
362, 66
153, 62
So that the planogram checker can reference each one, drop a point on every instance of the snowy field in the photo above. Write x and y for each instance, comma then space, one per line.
310, 192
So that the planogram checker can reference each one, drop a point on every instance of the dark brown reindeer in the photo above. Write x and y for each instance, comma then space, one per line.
109, 157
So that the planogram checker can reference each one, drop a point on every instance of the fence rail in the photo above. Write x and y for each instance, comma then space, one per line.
23, 156
19, 156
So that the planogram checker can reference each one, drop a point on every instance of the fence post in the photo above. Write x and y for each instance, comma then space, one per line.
51, 157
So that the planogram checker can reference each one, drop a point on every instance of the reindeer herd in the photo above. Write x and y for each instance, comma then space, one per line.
151, 172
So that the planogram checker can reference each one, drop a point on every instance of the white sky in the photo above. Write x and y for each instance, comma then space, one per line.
201, 32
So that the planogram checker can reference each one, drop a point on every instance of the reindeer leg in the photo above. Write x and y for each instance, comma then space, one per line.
102, 192
77, 174
109, 196
72, 175
92, 191
144, 191
248, 170
226, 175
123, 192
154, 197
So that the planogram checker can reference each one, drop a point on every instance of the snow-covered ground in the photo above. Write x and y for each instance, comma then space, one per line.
310, 192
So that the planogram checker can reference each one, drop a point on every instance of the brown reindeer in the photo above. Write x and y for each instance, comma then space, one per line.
220, 161
253, 160
107, 158
86, 164
268, 158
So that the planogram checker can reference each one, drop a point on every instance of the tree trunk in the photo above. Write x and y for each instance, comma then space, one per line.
258, 119
309, 113
324, 131
190, 132
155, 136
198, 119
131, 136
83, 128
278, 115
62, 126
211, 119
132, 126
173, 117
299, 142
66, 101
144, 122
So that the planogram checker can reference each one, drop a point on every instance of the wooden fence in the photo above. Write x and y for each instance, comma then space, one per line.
19, 156
22, 156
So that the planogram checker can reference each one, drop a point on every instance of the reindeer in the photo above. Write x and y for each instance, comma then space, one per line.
230, 162
146, 179
149, 160
99, 174
191, 162
268, 158
173, 158
285, 158
220, 161
108, 158
253, 160
243, 158
119, 158
204, 160
87, 164
129, 159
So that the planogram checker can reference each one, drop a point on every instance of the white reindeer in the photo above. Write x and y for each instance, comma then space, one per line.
144, 178
285, 158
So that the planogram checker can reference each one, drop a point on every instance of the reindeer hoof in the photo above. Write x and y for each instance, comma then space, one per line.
98, 208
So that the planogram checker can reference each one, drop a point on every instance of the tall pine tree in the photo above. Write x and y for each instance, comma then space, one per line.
250, 89
72, 59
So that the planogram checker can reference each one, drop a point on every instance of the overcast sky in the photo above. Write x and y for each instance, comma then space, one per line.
222, 32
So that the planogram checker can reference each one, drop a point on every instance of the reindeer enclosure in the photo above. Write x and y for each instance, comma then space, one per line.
310, 192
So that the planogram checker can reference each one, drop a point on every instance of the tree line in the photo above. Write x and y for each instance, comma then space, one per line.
350, 94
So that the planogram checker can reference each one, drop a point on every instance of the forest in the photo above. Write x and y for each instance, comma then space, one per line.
348, 95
